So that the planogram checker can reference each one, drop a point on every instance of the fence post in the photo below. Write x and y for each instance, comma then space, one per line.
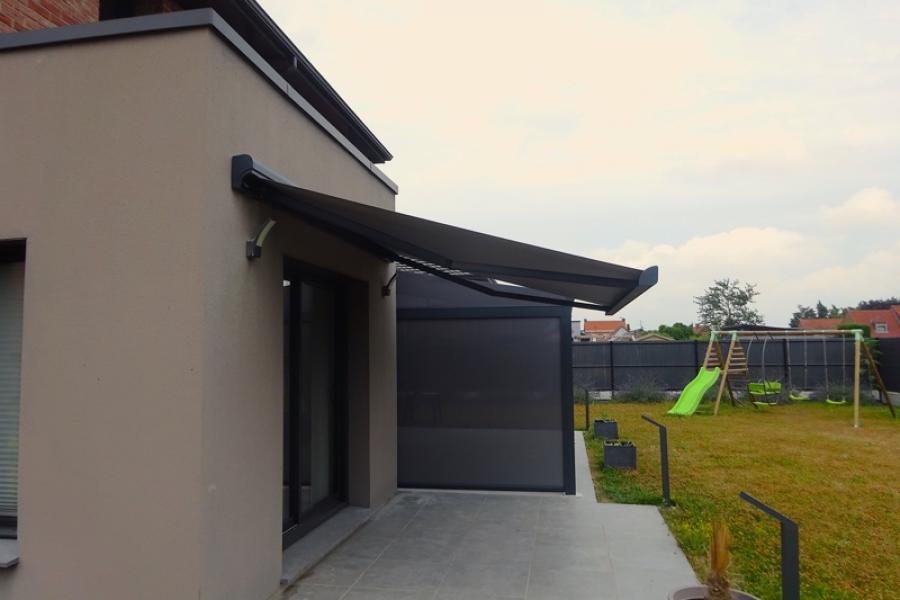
790, 549
787, 364
612, 373
587, 409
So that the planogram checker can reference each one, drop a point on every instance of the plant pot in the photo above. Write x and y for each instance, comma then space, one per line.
619, 454
698, 592
606, 428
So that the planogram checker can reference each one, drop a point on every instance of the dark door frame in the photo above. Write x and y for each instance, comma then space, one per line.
298, 271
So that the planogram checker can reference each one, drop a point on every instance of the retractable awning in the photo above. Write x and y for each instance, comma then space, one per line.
464, 256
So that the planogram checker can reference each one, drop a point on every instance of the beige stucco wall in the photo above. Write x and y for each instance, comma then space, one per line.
112, 339
150, 459
243, 403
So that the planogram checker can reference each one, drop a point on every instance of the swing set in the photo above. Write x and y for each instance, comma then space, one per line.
735, 368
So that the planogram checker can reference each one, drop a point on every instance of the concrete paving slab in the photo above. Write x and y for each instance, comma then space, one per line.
484, 545
300, 558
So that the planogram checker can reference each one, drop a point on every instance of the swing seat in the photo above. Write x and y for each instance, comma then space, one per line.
835, 402
760, 403
764, 388
796, 397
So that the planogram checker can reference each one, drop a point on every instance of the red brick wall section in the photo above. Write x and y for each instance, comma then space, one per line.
26, 15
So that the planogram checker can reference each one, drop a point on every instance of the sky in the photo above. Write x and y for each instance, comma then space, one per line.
751, 140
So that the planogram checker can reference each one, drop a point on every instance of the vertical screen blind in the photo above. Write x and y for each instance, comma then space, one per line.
12, 279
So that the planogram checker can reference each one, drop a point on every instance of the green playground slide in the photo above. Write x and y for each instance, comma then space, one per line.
691, 395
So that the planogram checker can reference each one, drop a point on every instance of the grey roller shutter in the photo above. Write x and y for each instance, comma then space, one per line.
12, 278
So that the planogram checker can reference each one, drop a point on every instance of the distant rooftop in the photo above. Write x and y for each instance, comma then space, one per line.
605, 325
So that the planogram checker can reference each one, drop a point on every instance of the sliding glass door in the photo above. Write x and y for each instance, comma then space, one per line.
314, 412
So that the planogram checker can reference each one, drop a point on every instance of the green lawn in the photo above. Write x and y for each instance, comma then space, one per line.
841, 485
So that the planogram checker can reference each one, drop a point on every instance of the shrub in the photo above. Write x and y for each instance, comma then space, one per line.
641, 390
866, 330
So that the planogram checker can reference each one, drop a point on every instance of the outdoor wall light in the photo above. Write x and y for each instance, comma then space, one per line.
254, 246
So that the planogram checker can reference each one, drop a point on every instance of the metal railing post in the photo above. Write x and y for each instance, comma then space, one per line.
790, 549
663, 458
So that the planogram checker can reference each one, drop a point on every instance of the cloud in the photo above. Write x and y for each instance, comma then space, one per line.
869, 207
595, 91
750, 254
788, 267
699, 136
872, 276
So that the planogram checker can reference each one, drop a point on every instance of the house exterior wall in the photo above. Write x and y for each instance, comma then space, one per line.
112, 356
150, 457
242, 403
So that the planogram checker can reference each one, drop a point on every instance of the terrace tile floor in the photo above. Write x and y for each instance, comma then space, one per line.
474, 546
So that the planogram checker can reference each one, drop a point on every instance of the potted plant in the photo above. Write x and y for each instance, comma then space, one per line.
717, 585
606, 428
619, 454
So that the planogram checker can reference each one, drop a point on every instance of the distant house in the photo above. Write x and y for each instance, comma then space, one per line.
653, 336
814, 324
883, 323
606, 331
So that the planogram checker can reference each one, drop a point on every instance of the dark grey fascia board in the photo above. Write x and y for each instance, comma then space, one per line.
310, 71
648, 278
188, 19
113, 28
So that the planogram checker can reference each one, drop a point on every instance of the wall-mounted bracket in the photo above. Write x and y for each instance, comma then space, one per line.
254, 245
386, 288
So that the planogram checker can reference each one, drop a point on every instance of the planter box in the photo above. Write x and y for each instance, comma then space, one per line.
619, 454
606, 428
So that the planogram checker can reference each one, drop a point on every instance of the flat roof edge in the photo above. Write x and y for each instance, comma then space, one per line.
188, 19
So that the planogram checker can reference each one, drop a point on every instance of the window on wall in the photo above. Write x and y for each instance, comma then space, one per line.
881, 328
12, 285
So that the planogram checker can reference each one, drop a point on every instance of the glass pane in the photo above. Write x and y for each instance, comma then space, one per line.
317, 399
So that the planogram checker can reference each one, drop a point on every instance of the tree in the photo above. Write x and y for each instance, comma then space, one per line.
819, 312
677, 331
728, 304
802, 312
878, 304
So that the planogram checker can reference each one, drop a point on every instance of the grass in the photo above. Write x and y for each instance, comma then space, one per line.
841, 485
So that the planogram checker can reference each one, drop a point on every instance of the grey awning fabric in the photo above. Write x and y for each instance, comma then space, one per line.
465, 256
